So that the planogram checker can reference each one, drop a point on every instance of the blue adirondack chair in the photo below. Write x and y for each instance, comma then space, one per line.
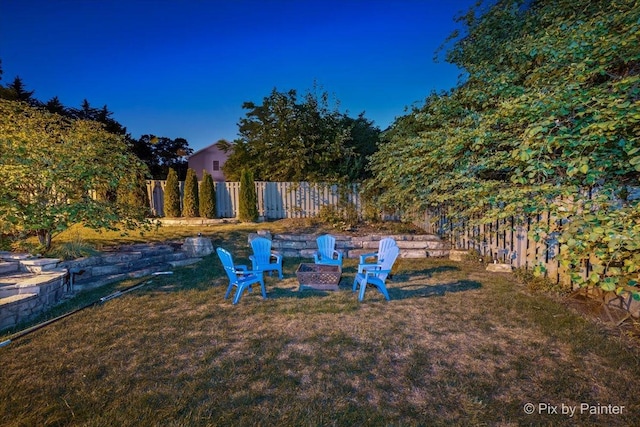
376, 275
239, 276
383, 247
263, 258
327, 253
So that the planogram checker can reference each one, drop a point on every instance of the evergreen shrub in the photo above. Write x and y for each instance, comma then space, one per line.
172, 195
190, 202
248, 203
207, 196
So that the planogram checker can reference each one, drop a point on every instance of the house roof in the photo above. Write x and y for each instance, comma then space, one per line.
207, 148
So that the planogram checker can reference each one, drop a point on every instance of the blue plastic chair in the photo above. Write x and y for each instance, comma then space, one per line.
376, 275
327, 253
239, 276
383, 247
263, 259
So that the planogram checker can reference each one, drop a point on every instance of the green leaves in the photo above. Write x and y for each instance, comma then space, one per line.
172, 207
248, 200
292, 139
57, 172
547, 121
207, 196
191, 202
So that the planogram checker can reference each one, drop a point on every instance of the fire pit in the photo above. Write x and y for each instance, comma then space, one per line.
319, 276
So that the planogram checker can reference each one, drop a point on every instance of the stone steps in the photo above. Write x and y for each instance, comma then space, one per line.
8, 267
39, 265
15, 298
13, 278
23, 295
29, 286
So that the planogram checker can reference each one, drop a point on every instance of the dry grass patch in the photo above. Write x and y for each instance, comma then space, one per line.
220, 233
456, 345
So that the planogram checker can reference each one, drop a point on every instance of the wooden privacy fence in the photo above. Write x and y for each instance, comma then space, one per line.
276, 200
508, 241
505, 241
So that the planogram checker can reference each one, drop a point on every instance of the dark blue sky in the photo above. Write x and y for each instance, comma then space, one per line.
184, 68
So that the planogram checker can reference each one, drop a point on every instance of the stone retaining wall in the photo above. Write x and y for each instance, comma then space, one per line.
116, 264
30, 286
411, 246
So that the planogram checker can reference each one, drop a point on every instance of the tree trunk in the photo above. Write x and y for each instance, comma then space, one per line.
44, 237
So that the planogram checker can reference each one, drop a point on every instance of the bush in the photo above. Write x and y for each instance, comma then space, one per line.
172, 195
247, 208
343, 216
74, 249
207, 196
28, 246
190, 203
370, 212
539, 284
132, 194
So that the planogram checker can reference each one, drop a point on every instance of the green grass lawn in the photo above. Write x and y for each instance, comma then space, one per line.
456, 345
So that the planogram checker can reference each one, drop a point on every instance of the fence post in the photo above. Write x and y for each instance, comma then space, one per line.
276, 200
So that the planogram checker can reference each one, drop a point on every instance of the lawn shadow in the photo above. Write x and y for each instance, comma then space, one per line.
208, 273
281, 292
290, 288
400, 285
411, 290
405, 276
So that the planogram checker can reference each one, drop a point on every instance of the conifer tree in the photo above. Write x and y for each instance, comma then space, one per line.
190, 203
172, 195
247, 208
134, 195
207, 196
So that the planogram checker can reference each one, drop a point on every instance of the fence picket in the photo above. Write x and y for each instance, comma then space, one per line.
276, 200
509, 241
506, 240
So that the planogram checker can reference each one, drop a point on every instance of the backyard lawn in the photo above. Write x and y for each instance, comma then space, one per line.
456, 345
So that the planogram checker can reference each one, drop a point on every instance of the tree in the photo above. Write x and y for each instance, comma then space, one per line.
85, 112
539, 125
158, 153
190, 204
162, 153
363, 143
55, 106
101, 115
238, 159
49, 168
172, 195
207, 196
131, 194
248, 201
20, 92
287, 139
16, 91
